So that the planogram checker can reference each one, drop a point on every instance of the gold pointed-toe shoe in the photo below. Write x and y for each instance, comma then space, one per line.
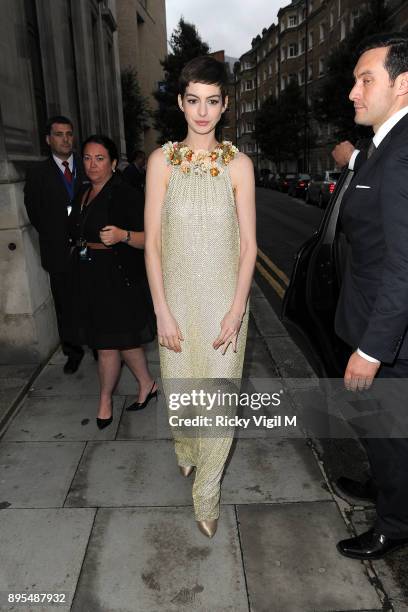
208, 527
186, 470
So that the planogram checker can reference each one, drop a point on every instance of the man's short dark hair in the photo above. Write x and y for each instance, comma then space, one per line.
57, 119
396, 61
138, 154
204, 69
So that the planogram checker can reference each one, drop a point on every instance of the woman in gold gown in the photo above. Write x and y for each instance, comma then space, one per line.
200, 250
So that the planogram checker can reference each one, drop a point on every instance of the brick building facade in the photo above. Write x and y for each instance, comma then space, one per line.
142, 44
296, 49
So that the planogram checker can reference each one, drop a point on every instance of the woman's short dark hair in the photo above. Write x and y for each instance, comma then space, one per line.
204, 69
396, 61
105, 141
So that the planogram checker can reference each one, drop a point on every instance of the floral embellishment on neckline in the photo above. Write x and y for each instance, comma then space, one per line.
200, 162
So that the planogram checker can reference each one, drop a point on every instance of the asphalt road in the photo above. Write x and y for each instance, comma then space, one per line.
283, 225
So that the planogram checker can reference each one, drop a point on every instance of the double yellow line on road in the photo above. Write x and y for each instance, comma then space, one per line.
269, 269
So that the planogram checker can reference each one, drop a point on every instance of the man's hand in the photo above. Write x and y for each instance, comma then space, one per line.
359, 373
342, 153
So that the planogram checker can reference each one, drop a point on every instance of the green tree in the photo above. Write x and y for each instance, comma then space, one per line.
185, 44
331, 104
279, 126
136, 111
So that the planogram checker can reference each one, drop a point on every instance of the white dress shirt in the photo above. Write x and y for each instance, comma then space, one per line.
60, 165
379, 136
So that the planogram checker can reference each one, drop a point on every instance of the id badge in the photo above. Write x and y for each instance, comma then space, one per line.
84, 254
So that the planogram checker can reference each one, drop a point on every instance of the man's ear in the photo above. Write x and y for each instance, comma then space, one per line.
225, 104
180, 102
403, 84
47, 140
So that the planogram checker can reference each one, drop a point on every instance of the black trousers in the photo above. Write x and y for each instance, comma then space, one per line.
388, 456
59, 284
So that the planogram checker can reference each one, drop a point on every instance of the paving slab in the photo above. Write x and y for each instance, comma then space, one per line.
269, 326
37, 474
53, 381
148, 424
156, 560
129, 473
62, 418
392, 570
292, 564
272, 471
13, 379
42, 551
289, 360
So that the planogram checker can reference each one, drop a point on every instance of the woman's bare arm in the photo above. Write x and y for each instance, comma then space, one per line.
242, 178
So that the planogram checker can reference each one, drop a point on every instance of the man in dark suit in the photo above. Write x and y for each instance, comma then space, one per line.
372, 313
49, 190
135, 172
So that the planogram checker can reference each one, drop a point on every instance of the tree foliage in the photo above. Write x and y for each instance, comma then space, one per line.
135, 110
331, 104
279, 126
185, 44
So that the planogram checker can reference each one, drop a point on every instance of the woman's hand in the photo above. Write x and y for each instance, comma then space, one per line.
169, 333
230, 326
110, 235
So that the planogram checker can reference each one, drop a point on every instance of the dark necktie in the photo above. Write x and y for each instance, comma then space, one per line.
67, 172
371, 149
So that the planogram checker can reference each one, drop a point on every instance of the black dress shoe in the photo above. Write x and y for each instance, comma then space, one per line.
360, 490
102, 423
141, 405
71, 365
370, 545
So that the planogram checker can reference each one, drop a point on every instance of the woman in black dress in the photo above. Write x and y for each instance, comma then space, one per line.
112, 309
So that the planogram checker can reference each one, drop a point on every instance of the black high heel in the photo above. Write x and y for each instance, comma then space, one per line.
102, 423
141, 405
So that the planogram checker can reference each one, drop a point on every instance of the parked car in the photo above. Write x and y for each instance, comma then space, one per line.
273, 181
321, 187
284, 181
298, 186
310, 301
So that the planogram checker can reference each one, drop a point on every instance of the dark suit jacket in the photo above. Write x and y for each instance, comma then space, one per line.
135, 177
46, 199
372, 312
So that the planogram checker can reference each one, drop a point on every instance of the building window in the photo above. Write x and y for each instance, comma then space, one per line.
250, 127
293, 78
343, 29
276, 91
243, 107
270, 69
283, 54
249, 85
283, 83
321, 66
355, 13
302, 45
322, 31
293, 50
292, 21
282, 25
331, 19
310, 40
301, 76
310, 6
310, 72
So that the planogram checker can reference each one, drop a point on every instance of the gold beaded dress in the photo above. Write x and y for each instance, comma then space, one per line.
200, 259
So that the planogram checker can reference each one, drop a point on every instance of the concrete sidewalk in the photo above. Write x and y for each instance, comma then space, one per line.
105, 517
